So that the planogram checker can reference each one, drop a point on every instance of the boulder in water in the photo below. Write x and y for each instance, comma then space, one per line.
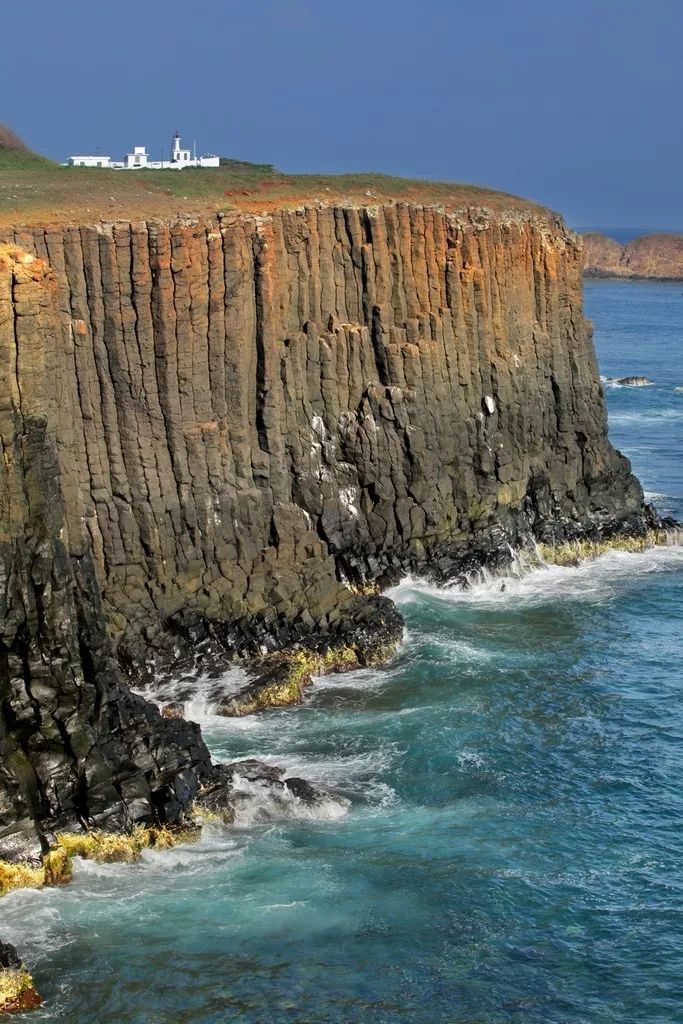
634, 382
251, 790
307, 793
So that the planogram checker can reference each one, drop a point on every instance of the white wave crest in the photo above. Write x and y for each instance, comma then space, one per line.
259, 803
198, 696
355, 771
619, 382
650, 416
360, 679
591, 580
470, 759
32, 922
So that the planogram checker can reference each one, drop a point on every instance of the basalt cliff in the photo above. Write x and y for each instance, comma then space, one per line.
237, 431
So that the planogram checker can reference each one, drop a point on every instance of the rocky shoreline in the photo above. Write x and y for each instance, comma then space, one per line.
276, 680
223, 790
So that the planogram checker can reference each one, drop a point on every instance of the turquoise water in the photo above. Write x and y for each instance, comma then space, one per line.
513, 848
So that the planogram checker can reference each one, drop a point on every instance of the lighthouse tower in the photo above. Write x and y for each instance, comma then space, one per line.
180, 157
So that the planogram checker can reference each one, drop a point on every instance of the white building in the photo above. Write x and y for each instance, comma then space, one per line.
139, 160
89, 161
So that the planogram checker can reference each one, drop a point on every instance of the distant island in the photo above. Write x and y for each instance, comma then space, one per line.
656, 256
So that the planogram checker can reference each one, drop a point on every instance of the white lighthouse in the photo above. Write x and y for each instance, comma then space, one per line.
179, 156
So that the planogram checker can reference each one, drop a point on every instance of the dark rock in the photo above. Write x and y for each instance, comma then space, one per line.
78, 748
367, 636
303, 790
266, 796
217, 797
9, 958
250, 769
634, 382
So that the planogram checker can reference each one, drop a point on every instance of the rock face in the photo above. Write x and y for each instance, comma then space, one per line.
230, 429
76, 746
658, 256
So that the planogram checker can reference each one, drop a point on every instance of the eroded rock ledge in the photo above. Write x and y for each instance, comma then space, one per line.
226, 432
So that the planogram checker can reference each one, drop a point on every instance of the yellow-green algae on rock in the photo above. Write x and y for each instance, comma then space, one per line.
573, 553
17, 991
103, 847
283, 676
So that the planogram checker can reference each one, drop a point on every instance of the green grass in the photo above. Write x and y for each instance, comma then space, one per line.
15, 154
17, 160
237, 165
213, 181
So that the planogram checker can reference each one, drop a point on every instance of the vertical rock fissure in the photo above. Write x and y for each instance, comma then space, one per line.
260, 382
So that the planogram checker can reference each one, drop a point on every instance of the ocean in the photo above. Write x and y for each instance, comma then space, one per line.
513, 849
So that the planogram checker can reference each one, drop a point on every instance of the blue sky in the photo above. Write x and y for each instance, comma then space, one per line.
574, 103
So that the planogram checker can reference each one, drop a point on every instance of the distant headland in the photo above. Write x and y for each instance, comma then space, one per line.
656, 257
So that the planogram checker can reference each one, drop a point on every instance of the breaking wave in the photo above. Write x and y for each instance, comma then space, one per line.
591, 580
617, 382
258, 803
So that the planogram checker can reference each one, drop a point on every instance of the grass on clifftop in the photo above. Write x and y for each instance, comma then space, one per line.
34, 190
16, 156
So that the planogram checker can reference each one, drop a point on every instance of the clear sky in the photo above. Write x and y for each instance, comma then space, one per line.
574, 103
